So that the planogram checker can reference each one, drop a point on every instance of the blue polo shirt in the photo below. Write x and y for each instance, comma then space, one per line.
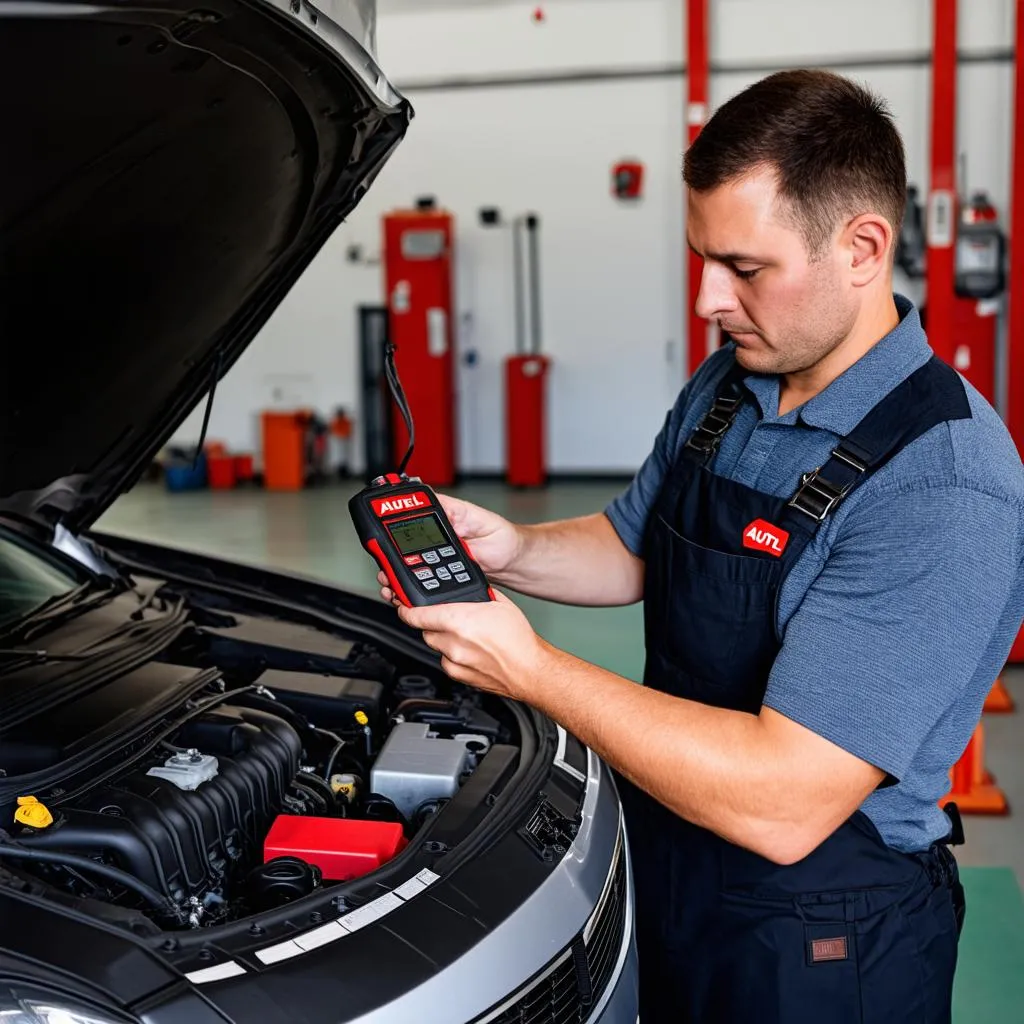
898, 617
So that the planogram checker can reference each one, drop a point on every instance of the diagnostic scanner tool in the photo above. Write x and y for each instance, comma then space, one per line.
402, 525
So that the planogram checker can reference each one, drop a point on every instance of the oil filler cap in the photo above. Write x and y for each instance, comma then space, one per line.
32, 813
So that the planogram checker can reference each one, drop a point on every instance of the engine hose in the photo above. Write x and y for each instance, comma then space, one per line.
306, 785
321, 784
111, 874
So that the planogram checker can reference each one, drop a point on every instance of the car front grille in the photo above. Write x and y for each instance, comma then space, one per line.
569, 988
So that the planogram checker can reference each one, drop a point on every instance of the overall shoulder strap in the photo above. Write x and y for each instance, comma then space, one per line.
703, 443
932, 395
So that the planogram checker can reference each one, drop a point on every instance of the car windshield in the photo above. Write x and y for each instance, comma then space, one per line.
29, 579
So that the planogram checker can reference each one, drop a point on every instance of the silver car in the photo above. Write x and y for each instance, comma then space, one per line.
228, 794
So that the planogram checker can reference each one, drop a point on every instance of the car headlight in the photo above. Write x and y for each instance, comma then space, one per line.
20, 1005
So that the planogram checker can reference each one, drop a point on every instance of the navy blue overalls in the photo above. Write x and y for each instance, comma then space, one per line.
855, 932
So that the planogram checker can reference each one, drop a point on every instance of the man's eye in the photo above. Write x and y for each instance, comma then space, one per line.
746, 275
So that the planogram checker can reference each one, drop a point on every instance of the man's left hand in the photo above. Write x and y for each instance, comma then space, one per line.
489, 645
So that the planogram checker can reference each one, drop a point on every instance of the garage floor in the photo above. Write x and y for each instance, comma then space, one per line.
311, 533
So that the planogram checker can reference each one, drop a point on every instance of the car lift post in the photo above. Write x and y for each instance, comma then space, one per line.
942, 193
696, 114
1015, 325
1015, 330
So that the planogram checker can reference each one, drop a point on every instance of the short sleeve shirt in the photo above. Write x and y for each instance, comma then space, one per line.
898, 617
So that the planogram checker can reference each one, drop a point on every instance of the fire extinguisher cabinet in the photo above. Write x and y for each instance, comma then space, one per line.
526, 372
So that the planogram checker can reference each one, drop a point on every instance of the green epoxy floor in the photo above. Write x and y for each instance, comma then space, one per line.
311, 533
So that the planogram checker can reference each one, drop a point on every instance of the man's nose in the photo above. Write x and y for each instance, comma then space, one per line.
716, 296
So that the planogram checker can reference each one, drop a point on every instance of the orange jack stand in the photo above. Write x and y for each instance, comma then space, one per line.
974, 790
999, 700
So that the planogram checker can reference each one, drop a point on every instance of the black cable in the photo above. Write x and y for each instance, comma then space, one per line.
215, 376
334, 757
398, 394
332, 736
111, 874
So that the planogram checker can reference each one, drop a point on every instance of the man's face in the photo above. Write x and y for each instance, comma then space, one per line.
785, 312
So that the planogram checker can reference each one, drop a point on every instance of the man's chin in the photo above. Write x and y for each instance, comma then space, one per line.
755, 360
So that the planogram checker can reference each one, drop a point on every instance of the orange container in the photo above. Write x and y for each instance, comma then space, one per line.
220, 472
284, 450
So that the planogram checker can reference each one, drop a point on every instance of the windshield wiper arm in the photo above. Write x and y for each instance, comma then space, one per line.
88, 595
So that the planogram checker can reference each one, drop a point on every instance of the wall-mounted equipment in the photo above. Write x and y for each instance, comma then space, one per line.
628, 180
979, 247
526, 371
418, 268
980, 250
910, 245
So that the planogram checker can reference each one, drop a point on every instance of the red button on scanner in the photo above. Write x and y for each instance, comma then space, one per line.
413, 559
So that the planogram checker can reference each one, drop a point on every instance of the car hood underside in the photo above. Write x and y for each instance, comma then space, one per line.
170, 172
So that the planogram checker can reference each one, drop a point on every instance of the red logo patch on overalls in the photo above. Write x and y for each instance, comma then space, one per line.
762, 536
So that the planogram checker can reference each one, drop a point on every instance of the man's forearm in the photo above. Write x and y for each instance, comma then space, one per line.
577, 561
761, 782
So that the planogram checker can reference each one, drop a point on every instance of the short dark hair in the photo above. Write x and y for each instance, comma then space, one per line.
833, 145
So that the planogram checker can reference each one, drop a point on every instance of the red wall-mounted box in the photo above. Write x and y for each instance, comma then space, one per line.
340, 848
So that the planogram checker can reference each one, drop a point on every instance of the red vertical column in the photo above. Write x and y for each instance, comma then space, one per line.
696, 114
1015, 333
942, 205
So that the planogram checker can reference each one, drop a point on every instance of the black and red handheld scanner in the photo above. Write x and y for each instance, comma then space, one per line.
402, 525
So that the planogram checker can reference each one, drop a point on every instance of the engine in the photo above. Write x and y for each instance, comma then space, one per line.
187, 823
275, 790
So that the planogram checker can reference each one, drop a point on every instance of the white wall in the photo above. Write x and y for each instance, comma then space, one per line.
613, 285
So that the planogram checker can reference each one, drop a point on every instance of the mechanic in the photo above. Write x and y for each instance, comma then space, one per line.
827, 537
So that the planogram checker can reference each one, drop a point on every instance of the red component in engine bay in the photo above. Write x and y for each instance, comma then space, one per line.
342, 849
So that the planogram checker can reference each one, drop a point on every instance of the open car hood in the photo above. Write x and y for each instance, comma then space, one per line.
170, 170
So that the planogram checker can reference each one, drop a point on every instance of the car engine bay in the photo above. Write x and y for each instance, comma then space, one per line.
292, 759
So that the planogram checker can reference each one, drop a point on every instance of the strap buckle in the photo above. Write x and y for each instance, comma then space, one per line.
956, 836
817, 497
719, 418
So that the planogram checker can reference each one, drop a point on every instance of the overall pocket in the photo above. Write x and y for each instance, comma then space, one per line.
710, 614
841, 957
774, 961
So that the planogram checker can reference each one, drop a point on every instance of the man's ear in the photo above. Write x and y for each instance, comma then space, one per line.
868, 240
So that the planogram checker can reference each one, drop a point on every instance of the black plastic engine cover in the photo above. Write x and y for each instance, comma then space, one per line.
186, 843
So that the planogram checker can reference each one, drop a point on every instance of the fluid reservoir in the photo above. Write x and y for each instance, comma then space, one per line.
414, 767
